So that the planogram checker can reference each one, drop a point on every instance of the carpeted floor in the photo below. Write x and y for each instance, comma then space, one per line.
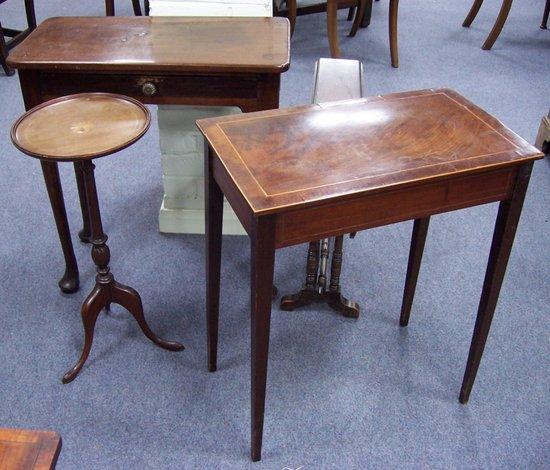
341, 393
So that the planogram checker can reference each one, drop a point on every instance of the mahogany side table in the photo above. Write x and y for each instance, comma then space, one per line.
22, 449
156, 60
78, 129
445, 154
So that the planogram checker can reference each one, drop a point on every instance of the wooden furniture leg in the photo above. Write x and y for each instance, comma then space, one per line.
359, 16
16, 36
394, 6
544, 24
30, 14
332, 28
213, 237
110, 7
69, 283
309, 293
137, 7
351, 13
4, 54
262, 244
365, 19
508, 216
292, 12
106, 289
333, 297
83, 234
472, 13
499, 23
418, 240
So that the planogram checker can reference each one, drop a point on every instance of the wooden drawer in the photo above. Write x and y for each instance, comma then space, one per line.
222, 90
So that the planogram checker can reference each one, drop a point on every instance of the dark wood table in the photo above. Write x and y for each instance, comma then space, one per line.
386, 159
157, 60
28, 449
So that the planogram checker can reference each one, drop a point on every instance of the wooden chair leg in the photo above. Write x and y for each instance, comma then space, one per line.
544, 24
394, 7
332, 28
359, 16
472, 13
4, 54
365, 20
31, 16
499, 23
137, 7
110, 7
292, 13
351, 13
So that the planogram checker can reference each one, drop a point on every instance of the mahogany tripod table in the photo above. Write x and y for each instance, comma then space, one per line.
392, 158
156, 60
78, 129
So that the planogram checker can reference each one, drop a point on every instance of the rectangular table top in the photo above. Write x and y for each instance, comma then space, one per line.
286, 158
161, 44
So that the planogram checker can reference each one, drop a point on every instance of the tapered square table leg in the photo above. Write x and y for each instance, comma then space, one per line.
213, 234
508, 216
262, 241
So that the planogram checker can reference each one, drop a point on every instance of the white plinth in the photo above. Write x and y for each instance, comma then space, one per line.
182, 150
181, 143
211, 8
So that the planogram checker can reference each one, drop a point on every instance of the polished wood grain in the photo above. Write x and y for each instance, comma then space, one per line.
390, 158
435, 133
81, 126
157, 44
28, 449
150, 69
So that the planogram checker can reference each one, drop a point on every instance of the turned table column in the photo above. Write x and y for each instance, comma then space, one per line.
78, 129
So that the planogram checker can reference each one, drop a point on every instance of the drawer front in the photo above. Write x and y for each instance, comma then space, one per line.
198, 90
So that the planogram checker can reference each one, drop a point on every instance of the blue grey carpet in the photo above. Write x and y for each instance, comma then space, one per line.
341, 393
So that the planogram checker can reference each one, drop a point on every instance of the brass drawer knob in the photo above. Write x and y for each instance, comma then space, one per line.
149, 89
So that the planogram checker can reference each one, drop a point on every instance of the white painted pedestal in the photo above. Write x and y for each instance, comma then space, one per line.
181, 144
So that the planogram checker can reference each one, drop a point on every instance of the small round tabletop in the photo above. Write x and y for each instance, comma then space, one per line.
83, 126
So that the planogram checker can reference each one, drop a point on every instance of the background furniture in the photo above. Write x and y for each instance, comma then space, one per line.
28, 449
204, 71
501, 19
110, 7
15, 35
294, 8
368, 184
362, 18
79, 129
335, 80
